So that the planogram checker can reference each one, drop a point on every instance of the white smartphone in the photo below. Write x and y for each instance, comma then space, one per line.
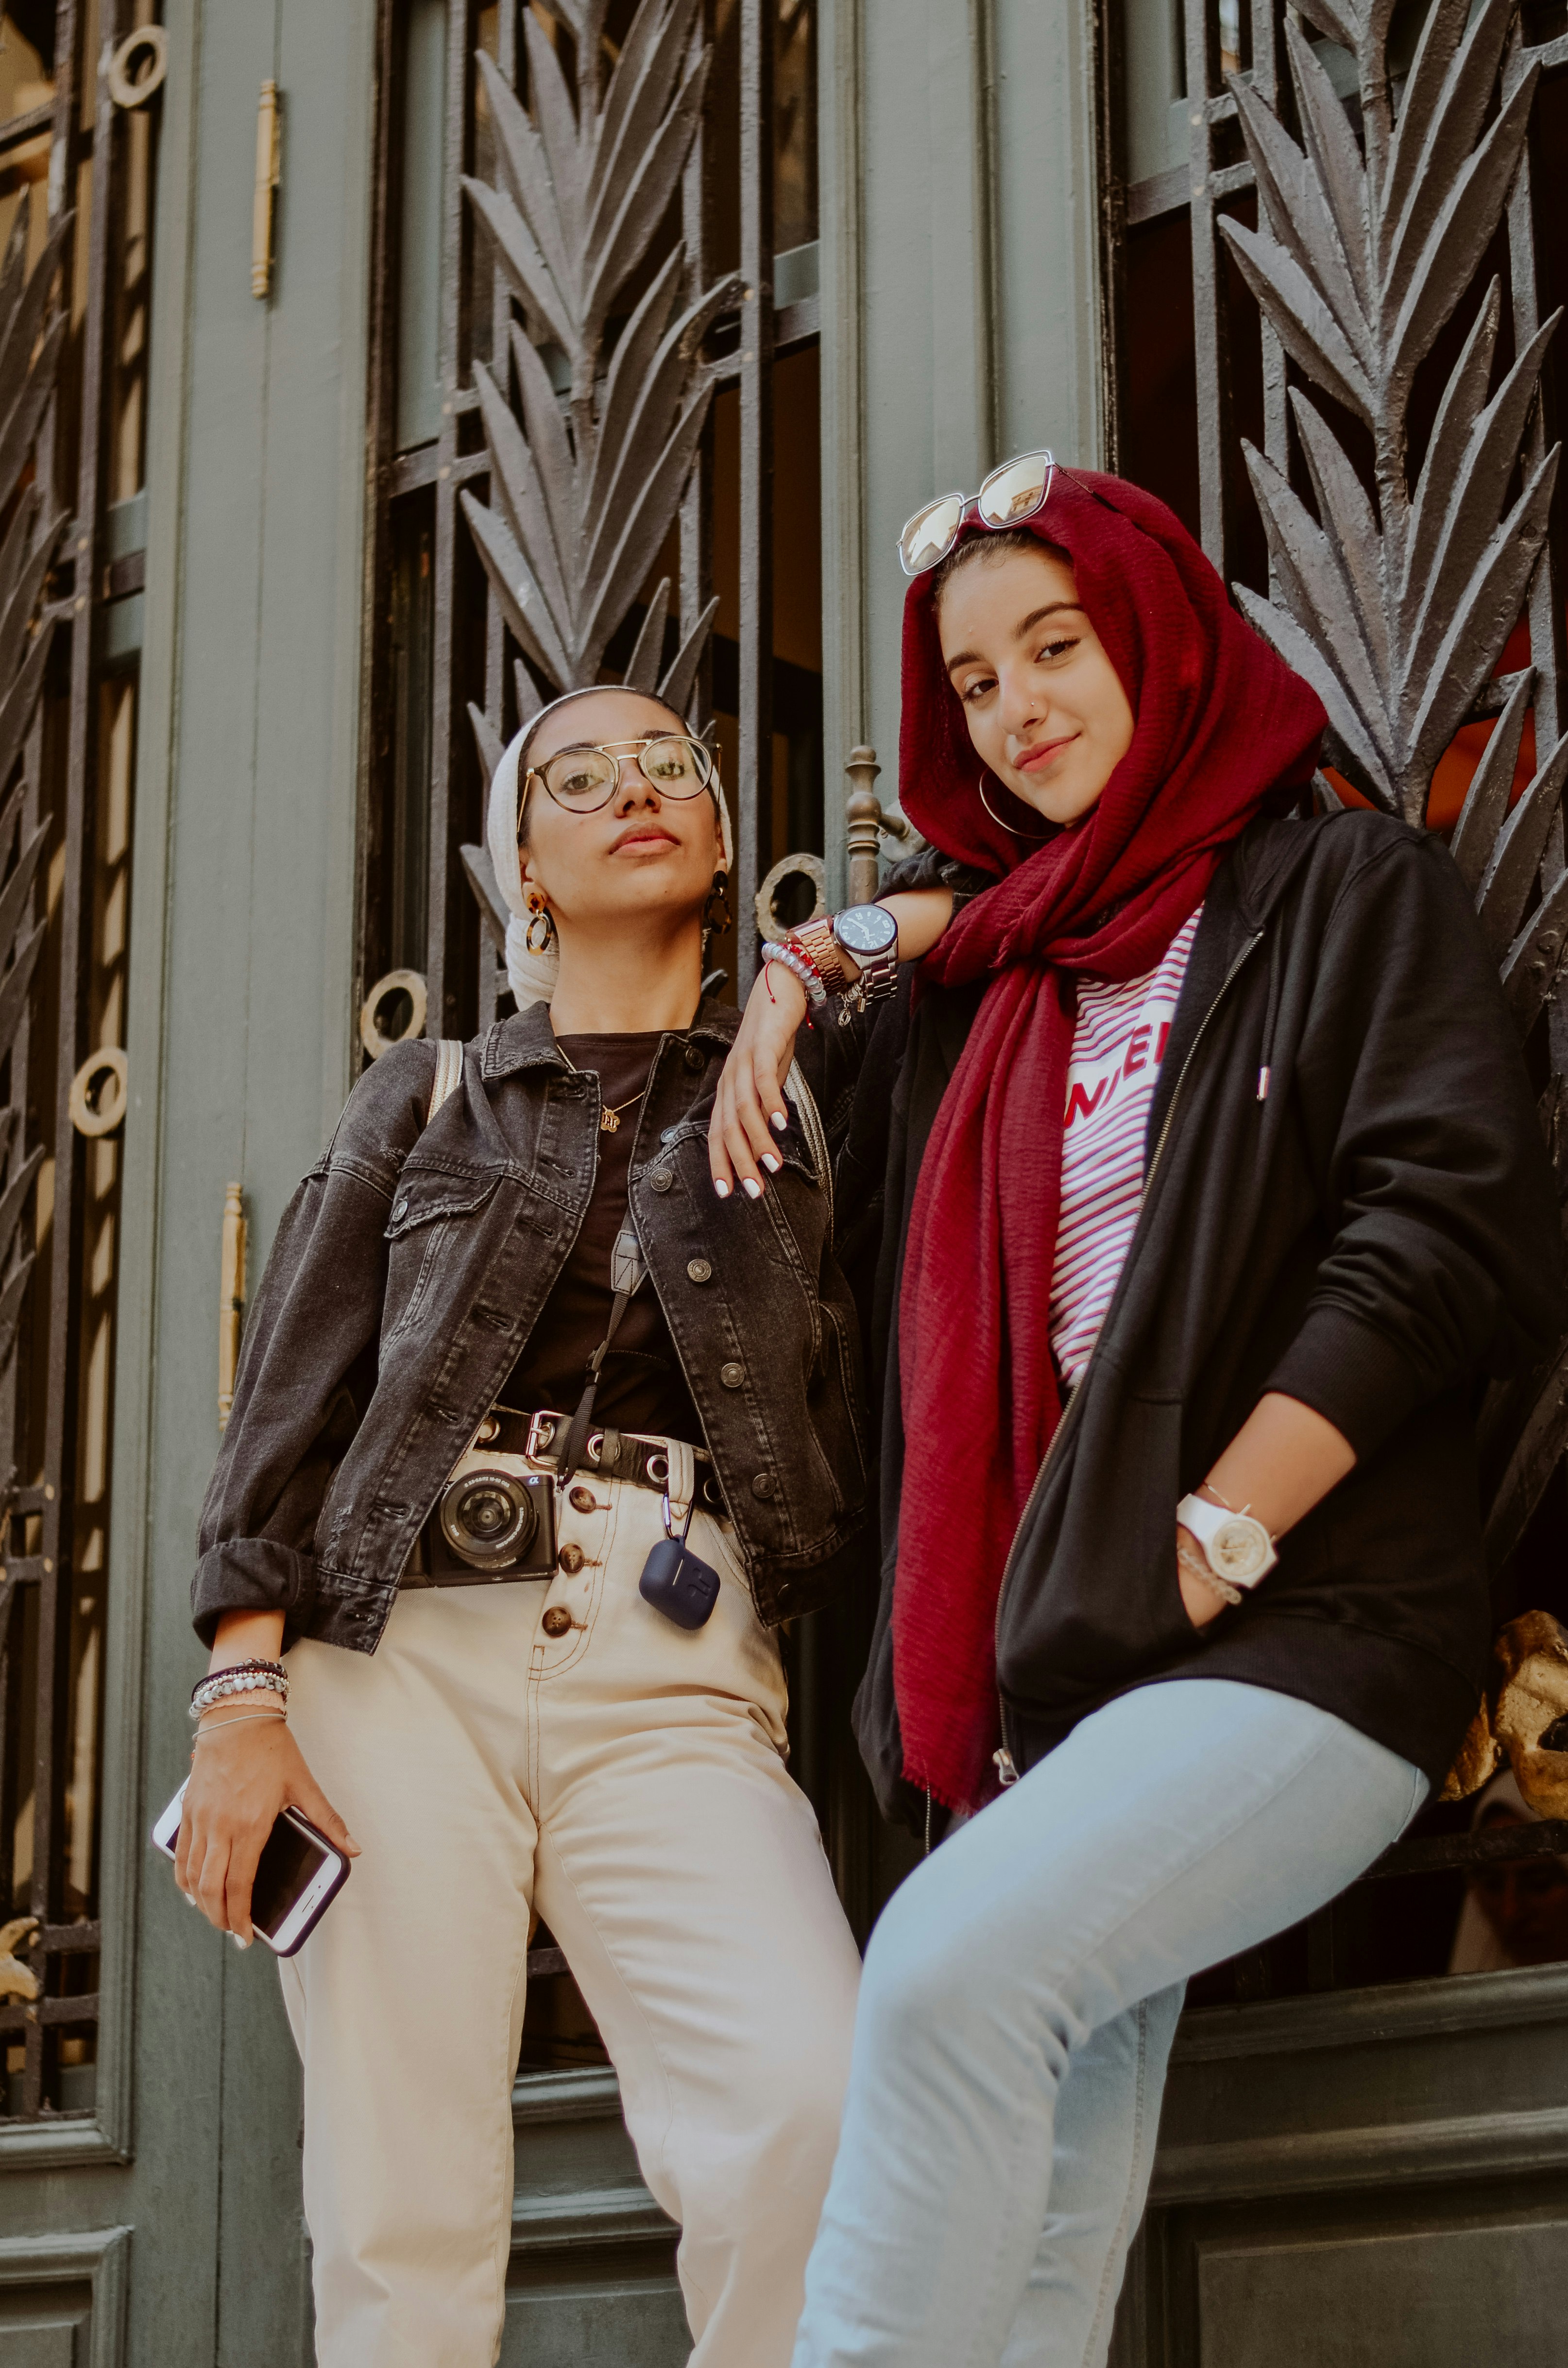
299, 1875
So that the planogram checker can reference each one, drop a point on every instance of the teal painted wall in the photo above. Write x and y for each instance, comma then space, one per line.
243, 946
238, 1038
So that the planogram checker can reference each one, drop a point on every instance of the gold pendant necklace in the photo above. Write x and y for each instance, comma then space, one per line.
610, 1120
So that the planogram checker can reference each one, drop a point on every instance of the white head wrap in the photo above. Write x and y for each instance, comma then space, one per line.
532, 977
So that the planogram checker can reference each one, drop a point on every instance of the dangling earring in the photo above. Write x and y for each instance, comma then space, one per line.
716, 914
540, 920
1042, 834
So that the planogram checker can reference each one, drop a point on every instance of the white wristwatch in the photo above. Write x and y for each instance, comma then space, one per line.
1237, 1548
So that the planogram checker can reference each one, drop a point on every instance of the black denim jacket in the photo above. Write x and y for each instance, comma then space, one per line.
411, 1264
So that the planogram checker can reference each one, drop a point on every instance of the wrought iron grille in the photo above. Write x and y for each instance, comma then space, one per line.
558, 185
1357, 416
78, 116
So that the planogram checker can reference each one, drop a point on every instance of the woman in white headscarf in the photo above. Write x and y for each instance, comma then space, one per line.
551, 1440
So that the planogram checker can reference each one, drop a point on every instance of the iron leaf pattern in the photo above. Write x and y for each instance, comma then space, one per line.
1397, 616
584, 487
1396, 602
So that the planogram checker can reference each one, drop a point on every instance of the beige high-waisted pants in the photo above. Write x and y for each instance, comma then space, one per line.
626, 1781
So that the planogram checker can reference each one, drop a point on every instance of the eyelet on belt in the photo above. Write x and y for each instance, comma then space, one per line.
657, 1468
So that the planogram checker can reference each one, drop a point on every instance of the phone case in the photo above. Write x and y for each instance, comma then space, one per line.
165, 1834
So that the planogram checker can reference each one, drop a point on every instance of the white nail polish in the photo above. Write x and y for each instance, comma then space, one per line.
238, 1942
779, 1121
751, 1188
722, 1188
772, 1164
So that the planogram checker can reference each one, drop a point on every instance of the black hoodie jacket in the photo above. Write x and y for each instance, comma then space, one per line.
1347, 1200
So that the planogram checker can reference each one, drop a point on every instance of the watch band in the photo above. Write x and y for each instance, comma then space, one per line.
1237, 1547
822, 950
878, 974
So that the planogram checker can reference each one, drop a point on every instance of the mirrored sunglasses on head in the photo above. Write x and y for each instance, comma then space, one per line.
583, 780
1017, 490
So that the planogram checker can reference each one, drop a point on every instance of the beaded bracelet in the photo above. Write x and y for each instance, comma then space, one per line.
1221, 1586
245, 1678
235, 1669
795, 959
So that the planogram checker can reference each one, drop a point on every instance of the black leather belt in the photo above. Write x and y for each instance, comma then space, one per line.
635, 1455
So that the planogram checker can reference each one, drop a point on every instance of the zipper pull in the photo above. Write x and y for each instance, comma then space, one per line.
1002, 1764
1262, 1085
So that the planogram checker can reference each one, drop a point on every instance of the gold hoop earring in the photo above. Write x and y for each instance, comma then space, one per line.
1040, 836
542, 919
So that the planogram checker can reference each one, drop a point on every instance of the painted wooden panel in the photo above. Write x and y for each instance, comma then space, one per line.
1377, 2179
592, 2276
239, 1036
62, 2299
1437, 2297
245, 938
41, 2343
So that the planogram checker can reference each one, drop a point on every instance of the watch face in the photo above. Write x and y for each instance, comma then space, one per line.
1239, 1549
866, 929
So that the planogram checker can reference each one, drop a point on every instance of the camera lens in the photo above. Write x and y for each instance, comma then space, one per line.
486, 1514
489, 1519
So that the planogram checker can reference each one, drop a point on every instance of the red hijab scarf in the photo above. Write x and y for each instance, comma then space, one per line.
1220, 724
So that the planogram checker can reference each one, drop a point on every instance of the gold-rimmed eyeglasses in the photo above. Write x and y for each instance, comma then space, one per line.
583, 780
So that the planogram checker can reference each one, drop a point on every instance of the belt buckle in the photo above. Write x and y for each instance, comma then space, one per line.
546, 1430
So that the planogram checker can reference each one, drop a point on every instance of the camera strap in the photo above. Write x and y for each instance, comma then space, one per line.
628, 1273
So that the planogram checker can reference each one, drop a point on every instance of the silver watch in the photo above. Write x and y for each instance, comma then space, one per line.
870, 934
1237, 1548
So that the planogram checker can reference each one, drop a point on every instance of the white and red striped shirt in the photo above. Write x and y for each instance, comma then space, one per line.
1119, 1044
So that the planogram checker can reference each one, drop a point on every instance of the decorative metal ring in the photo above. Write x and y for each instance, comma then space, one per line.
396, 982
154, 41
770, 923
658, 1467
103, 1074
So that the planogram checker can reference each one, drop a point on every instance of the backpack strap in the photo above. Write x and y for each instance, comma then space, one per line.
448, 1073
797, 1090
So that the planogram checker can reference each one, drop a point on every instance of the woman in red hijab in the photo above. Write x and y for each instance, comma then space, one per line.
1199, 1174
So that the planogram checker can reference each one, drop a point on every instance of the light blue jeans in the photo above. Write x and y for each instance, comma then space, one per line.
1019, 1998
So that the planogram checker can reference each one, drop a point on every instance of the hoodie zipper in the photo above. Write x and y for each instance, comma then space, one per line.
1006, 1770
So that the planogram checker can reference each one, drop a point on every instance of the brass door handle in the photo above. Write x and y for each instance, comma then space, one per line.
231, 1300
269, 167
